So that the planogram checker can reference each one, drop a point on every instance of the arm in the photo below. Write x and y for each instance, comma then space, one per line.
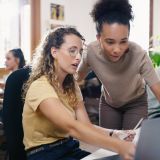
81, 76
156, 90
83, 67
82, 116
54, 110
149, 74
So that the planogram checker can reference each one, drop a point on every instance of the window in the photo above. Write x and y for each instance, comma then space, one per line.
9, 27
14, 27
25, 26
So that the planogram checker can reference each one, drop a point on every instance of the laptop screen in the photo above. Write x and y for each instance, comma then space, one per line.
148, 147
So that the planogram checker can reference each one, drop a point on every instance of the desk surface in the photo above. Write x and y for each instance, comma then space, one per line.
100, 153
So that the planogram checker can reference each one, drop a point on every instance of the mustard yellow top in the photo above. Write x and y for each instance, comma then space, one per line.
37, 128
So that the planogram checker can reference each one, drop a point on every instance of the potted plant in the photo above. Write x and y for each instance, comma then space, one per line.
154, 51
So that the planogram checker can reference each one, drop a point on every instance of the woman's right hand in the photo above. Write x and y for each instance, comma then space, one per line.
127, 135
127, 150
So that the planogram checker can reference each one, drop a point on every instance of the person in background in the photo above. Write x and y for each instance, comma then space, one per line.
12, 113
14, 59
122, 66
54, 111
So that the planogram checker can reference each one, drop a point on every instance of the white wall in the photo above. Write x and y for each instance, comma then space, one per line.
156, 18
140, 26
9, 28
77, 14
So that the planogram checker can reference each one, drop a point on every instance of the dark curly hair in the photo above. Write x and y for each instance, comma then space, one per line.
111, 11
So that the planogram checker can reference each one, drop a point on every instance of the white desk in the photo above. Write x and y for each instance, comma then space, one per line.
99, 154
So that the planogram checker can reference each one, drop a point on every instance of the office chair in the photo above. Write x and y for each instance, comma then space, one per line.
12, 114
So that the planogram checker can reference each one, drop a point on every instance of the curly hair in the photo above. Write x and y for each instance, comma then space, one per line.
44, 64
111, 11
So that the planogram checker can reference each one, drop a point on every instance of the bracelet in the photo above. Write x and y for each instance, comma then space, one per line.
111, 133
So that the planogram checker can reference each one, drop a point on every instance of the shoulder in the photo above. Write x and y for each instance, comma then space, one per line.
19, 74
39, 91
136, 52
93, 49
41, 88
40, 83
18, 77
135, 48
94, 45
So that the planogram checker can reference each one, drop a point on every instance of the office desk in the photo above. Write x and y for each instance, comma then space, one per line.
99, 154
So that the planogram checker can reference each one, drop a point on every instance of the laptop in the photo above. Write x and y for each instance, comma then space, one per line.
148, 147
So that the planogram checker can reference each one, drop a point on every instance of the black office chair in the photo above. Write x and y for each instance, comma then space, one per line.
12, 114
91, 92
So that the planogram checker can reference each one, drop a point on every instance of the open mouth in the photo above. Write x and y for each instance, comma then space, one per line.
115, 57
75, 65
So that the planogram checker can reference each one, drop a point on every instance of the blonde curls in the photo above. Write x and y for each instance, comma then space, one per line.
43, 64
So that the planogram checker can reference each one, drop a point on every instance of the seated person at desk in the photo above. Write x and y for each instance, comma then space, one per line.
122, 66
54, 111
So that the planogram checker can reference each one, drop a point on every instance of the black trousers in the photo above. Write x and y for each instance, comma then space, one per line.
68, 150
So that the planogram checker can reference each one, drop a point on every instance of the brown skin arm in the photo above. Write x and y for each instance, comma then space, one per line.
156, 90
81, 76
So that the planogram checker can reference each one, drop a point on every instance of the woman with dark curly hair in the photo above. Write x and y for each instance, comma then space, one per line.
54, 111
122, 66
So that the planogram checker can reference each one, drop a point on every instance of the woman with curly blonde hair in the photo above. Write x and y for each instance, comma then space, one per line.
54, 111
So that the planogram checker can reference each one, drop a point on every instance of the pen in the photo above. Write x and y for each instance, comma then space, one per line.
138, 124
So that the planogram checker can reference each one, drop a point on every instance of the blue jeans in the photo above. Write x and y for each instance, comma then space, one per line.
68, 150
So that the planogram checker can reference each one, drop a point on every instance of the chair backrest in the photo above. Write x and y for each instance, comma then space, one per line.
12, 113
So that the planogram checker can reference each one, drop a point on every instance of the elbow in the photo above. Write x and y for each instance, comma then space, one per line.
158, 96
72, 129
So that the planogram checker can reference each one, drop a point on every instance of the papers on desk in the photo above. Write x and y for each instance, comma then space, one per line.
135, 140
99, 154
104, 153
